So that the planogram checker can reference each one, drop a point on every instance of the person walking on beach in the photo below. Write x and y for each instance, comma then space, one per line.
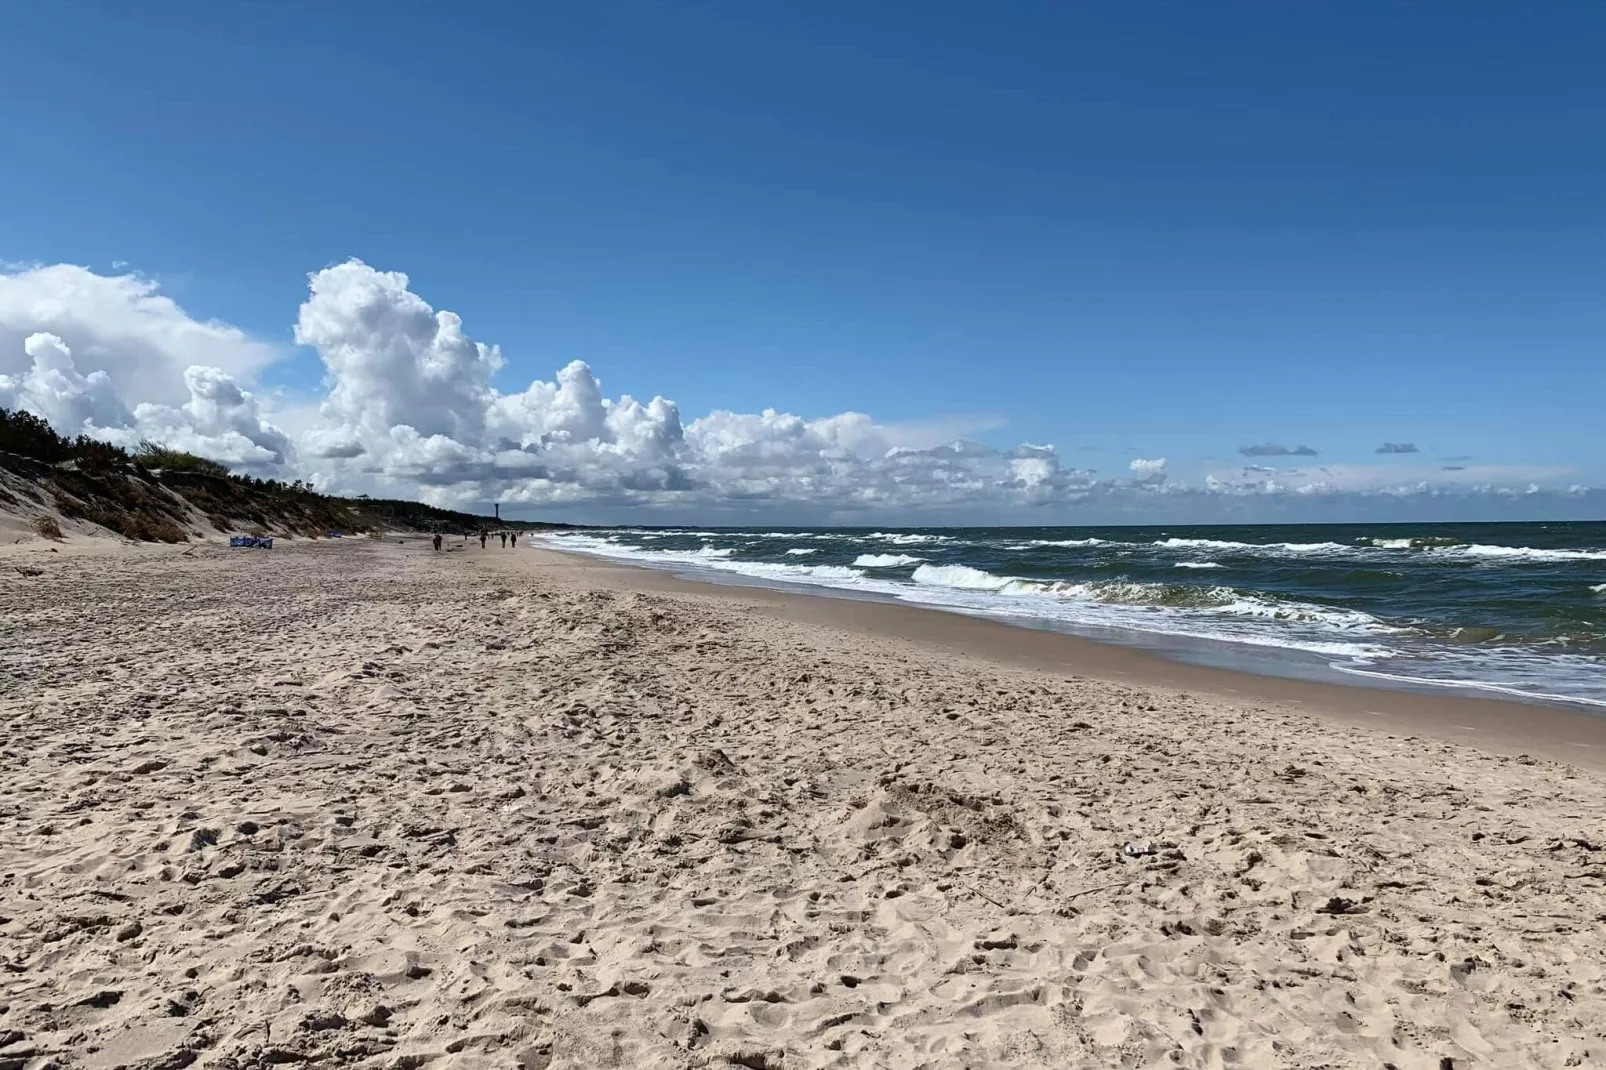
437, 540
515, 537
504, 540
482, 540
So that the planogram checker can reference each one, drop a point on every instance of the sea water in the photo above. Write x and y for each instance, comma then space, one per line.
1517, 610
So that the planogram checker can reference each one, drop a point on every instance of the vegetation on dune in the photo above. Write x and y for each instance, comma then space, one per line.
155, 455
27, 435
150, 494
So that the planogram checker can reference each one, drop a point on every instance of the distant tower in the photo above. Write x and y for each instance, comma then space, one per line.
498, 507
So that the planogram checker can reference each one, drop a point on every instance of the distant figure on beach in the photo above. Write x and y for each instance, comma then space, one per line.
504, 540
515, 537
482, 540
437, 540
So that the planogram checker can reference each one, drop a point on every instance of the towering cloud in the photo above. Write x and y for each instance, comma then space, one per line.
411, 401
218, 419
120, 325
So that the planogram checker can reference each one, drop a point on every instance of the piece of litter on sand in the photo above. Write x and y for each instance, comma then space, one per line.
1133, 850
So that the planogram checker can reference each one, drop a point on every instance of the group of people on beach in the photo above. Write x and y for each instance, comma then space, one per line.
507, 536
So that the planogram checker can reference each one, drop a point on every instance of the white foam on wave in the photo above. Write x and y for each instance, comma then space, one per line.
1527, 553
1118, 605
1225, 601
1254, 547
1202, 544
703, 551
1433, 546
885, 560
900, 538
960, 577
1197, 564
1248, 605
767, 570
1068, 542
799, 551
714, 559
1223, 615
1599, 588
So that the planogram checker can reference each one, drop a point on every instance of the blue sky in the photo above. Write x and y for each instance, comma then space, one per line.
1131, 231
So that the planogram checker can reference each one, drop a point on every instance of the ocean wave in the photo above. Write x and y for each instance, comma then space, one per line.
1067, 542
1528, 553
714, 559
769, 570
885, 560
1203, 544
1197, 564
702, 551
1129, 607
1221, 614
960, 577
1599, 588
899, 538
1435, 545
1176, 596
1218, 600
1259, 547
1418, 542
799, 551
1444, 546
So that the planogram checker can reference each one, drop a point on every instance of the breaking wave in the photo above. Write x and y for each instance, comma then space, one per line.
885, 560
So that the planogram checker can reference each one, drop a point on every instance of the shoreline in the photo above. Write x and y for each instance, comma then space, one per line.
1301, 628
1504, 726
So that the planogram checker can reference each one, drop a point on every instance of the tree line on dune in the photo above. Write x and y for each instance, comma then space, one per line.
147, 493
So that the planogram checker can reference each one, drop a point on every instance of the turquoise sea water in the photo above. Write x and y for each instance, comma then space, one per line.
1509, 609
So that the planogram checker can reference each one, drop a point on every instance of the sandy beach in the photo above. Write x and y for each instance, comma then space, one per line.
362, 803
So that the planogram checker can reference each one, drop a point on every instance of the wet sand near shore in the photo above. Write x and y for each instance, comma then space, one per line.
364, 803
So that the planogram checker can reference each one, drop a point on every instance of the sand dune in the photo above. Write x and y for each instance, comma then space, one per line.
367, 804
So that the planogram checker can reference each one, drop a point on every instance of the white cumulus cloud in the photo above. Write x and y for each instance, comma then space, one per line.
411, 404
51, 386
120, 325
412, 408
218, 419
1148, 470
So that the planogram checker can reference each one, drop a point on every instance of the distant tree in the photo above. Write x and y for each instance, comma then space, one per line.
93, 455
27, 435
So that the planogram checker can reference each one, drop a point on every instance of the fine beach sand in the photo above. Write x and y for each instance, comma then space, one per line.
360, 803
